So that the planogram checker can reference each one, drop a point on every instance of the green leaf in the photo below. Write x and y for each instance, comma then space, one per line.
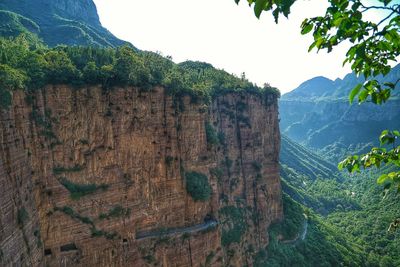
306, 28
382, 179
259, 7
354, 92
362, 96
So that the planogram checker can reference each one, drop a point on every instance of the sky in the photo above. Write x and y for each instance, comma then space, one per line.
228, 36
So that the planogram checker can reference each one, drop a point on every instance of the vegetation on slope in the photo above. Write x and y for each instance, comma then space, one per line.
323, 244
12, 25
348, 218
56, 22
197, 186
369, 225
28, 66
298, 157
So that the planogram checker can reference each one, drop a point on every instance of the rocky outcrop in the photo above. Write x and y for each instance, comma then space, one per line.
68, 22
83, 171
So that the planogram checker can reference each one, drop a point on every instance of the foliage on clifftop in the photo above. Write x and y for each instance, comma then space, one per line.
30, 66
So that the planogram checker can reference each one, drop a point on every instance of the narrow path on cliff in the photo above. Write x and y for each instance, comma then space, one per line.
172, 231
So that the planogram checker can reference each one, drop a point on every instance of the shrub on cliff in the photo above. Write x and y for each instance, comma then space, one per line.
197, 186
233, 225
211, 134
80, 190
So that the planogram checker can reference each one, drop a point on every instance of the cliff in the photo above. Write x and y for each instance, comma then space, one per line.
98, 178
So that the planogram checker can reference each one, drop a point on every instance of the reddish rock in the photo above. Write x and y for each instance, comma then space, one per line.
138, 144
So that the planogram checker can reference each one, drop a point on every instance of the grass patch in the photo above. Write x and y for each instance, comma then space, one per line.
79, 190
99, 233
115, 212
60, 169
73, 214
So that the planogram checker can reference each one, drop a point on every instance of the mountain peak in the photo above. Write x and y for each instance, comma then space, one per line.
68, 22
322, 87
314, 87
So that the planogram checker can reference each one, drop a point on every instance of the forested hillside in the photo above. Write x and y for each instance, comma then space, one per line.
56, 22
347, 216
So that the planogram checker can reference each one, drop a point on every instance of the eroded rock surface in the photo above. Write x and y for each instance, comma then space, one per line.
132, 150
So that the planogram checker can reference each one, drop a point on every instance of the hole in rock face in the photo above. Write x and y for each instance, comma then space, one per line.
47, 252
68, 247
125, 240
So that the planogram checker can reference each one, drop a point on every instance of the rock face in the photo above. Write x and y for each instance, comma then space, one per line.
68, 22
132, 150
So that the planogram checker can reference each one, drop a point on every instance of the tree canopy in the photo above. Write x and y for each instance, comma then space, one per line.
30, 66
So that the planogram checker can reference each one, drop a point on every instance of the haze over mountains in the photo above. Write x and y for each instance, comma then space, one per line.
322, 88
318, 114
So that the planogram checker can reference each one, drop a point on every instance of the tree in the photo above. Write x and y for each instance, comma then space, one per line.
375, 46
59, 67
197, 186
10, 79
130, 68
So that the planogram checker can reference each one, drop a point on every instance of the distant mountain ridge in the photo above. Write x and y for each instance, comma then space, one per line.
317, 114
320, 88
67, 22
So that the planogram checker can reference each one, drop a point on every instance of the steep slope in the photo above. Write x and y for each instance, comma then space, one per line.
297, 157
69, 22
353, 229
312, 181
97, 169
307, 239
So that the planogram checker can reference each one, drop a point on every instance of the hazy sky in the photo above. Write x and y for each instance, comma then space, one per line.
226, 35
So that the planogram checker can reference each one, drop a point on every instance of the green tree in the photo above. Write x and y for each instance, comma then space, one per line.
130, 68
10, 79
197, 186
59, 67
375, 45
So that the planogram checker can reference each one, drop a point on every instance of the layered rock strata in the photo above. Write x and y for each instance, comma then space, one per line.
83, 171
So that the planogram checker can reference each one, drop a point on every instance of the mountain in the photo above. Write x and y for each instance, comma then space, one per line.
321, 88
318, 115
313, 88
67, 22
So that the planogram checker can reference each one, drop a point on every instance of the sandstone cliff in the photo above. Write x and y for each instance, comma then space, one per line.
96, 178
